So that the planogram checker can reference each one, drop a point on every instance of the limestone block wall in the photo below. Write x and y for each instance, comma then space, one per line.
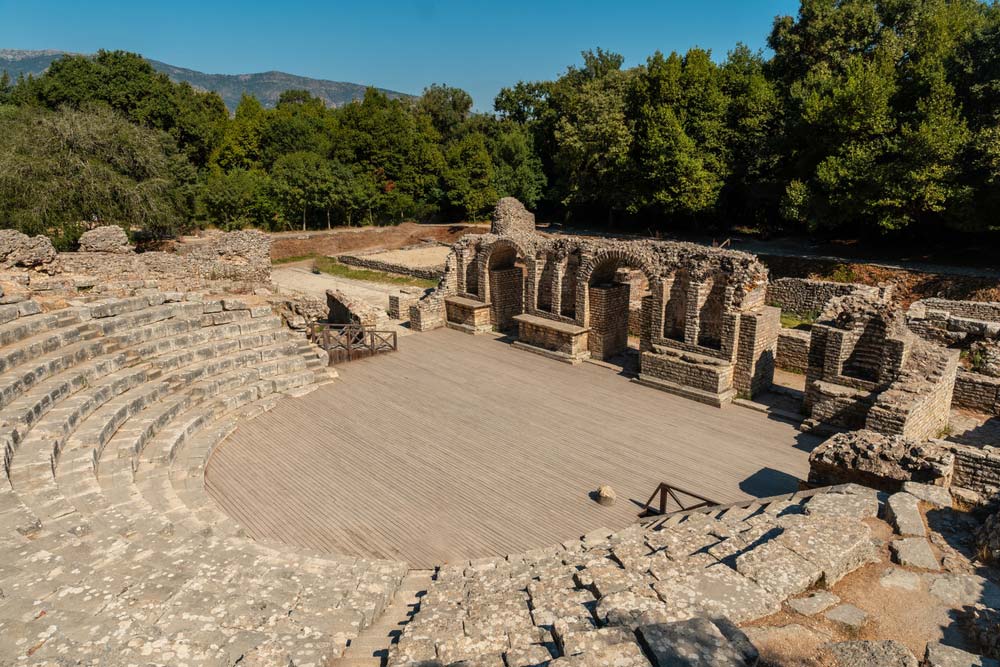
976, 310
555, 338
367, 261
608, 324
975, 391
917, 414
506, 296
399, 304
755, 356
428, 314
346, 310
801, 295
977, 469
793, 350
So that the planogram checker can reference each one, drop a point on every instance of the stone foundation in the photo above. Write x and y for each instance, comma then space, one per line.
506, 293
802, 296
467, 315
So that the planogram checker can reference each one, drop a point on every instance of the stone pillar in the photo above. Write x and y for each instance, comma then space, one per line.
557, 284
608, 320
696, 294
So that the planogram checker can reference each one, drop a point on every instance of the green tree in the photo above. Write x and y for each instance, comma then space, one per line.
446, 107
468, 178
60, 168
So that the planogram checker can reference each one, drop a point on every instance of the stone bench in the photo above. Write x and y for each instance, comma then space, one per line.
468, 315
556, 340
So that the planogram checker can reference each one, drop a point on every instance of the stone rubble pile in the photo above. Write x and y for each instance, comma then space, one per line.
879, 461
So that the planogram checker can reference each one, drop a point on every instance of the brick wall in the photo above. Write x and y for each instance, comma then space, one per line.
976, 310
506, 296
609, 307
916, 416
801, 295
755, 352
711, 378
428, 314
977, 469
793, 350
977, 392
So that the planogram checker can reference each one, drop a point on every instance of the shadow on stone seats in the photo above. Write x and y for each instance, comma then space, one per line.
769, 482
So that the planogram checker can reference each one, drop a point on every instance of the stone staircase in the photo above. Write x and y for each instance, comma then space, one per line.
669, 587
371, 648
111, 551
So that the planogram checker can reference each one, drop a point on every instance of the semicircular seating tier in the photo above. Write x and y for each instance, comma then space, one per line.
110, 551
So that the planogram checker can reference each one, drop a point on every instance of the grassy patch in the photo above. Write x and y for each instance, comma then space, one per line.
291, 260
790, 320
331, 266
843, 273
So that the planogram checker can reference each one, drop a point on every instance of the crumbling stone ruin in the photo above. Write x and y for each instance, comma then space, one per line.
867, 370
236, 262
705, 331
120, 372
878, 461
109, 238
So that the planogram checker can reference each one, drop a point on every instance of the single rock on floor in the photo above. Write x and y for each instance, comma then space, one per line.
871, 654
606, 495
848, 617
914, 552
903, 511
814, 603
939, 655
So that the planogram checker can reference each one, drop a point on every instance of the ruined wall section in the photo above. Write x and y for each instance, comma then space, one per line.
802, 296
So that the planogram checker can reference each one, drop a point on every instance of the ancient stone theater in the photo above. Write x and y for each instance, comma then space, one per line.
575, 450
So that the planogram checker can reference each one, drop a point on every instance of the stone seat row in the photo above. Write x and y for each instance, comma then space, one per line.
108, 557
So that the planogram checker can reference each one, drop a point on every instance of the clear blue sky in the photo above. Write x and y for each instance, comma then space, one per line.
477, 45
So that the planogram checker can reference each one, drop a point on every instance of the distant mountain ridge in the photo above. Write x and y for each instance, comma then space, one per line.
265, 86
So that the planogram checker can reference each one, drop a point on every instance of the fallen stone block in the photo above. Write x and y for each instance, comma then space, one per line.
914, 552
939, 655
838, 546
533, 655
894, 577
903, 511
696, 642
778, 569
848, 617
938, 496
814, 603
843, 505
719, 590
870, 654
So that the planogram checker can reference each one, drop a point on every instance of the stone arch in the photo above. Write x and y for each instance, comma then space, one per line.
604, 299
502, 269
599, 266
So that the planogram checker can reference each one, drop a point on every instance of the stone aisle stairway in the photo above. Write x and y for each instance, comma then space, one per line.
371, 648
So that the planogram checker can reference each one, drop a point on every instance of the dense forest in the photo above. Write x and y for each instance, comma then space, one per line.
864, 118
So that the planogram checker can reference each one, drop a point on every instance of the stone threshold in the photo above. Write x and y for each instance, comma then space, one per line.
715, 400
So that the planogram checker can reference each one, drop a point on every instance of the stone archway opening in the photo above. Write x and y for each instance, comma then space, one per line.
505, 271
616, 292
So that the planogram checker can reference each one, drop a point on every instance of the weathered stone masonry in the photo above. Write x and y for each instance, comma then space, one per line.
705, 329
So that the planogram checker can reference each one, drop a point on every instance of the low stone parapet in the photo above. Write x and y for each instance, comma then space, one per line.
468, 315
975, 391
399, 304
557, 340
698, 377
